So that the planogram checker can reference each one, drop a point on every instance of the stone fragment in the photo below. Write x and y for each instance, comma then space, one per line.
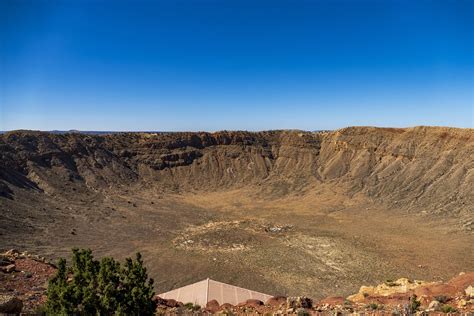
469, 291
434, 305
212, 306
8, 269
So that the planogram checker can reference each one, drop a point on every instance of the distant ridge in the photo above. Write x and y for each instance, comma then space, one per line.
73, 131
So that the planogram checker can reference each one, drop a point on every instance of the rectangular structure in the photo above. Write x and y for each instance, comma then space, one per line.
207, 290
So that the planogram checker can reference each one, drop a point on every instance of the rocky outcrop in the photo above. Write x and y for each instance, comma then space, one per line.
400, 286
432, 296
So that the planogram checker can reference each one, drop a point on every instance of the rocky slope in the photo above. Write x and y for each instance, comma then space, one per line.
425, 169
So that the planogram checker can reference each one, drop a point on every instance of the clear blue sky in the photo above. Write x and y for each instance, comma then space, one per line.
255, 65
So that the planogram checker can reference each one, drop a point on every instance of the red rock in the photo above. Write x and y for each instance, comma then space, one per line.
332, 300
171, 303
213, 306
276, 301
253, 303
159, 301
431, 290
226, 306
462, 281
395, 299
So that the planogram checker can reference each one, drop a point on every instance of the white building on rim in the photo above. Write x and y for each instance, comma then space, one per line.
207, 290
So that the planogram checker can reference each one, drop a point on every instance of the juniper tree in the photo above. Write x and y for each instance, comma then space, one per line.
137, 288
90, 287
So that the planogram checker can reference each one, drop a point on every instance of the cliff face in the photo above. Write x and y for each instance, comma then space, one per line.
426, 168
429, 168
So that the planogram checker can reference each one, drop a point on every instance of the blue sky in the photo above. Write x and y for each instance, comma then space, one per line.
249, 65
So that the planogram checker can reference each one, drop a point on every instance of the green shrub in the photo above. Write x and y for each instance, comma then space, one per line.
448, 309
414, 304
91, 287
302, 312
190, 306
373, 306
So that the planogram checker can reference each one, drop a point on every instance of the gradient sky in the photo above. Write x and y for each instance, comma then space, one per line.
255, 65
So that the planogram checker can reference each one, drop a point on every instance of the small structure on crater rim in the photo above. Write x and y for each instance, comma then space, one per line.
207, 290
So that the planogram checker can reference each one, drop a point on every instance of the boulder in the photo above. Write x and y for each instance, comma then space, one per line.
462, 303
171, 303
213, 306
276, 301
253, 303
226, 306
10, 304
8, 269
469, 291
159, 301
434, 305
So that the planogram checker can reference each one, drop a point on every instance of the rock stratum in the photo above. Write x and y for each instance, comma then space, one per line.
289, 211
425, 168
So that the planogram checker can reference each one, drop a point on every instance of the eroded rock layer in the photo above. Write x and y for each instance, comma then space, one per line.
427, 169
